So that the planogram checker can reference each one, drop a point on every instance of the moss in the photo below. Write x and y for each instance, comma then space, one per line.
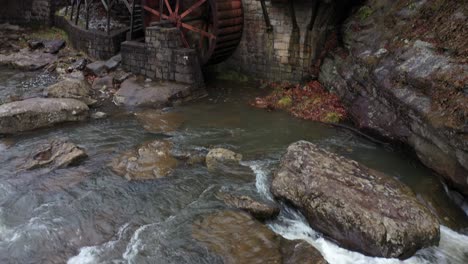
364, 12
49, 34
232, 76
285, 102
332, 117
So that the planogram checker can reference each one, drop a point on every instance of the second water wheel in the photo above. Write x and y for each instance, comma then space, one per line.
212, 27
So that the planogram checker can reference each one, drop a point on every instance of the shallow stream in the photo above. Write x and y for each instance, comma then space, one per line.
88, 214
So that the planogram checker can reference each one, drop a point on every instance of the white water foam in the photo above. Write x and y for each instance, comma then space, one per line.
453, 247
261, 176
91, 254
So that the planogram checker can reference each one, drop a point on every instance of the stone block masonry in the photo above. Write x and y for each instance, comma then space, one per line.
284, 53
27, 11
162, 56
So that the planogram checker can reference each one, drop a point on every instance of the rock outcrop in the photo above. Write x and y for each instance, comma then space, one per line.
238, 238
55, 154
35, 113
361, 209
403, 74
152, 160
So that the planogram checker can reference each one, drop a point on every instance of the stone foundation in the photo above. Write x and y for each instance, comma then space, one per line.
96, 44
162, 57
284, 53
27, 11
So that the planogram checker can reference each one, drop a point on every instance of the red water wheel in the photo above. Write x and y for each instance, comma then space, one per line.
212, 27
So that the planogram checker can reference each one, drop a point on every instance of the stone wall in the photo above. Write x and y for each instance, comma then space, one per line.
283, 53
26, 11
96, 44
162, 57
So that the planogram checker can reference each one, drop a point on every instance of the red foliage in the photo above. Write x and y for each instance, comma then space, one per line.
311, 102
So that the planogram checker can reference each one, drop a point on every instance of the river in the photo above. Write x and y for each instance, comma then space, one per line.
88, 214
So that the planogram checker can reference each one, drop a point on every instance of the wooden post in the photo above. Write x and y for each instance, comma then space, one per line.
315, 8
293, 15
269, 27
108, 16
78, 12
161, 8
72, 7
87, 6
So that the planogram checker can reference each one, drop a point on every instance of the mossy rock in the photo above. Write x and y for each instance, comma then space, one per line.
332, 117
285, 102
364, 12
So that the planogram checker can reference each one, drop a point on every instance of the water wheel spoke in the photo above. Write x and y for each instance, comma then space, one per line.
195, 29
168, 7
193, 7
154, 12
184, 40
177, 7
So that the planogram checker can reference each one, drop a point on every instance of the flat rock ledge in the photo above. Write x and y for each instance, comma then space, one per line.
359, 208
35, 113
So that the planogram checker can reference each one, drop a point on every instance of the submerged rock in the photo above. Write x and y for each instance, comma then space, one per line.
362, 209
239, 238
250, 202
134, 93
156, 121
300, 252
152, 160
55, 154
71, 88
28, 60
35, 113
219, 156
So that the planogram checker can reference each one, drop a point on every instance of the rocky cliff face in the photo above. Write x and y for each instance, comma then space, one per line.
402, 71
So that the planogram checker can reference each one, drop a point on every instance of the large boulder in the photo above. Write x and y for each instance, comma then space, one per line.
361, 209
71, 88
152, 160
55, 154
35, 113
28, 60
239, 238
139, 93
407, 80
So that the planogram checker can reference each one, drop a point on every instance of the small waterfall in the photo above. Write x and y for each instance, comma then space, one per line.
291, 224
260, 168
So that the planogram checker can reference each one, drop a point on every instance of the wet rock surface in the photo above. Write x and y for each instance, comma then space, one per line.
35, 113
71, 88
156, 121
139, 93
406, 80
250, 201
238, 238
362, 209
57, 153
152, 160
218, 156
28, 60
